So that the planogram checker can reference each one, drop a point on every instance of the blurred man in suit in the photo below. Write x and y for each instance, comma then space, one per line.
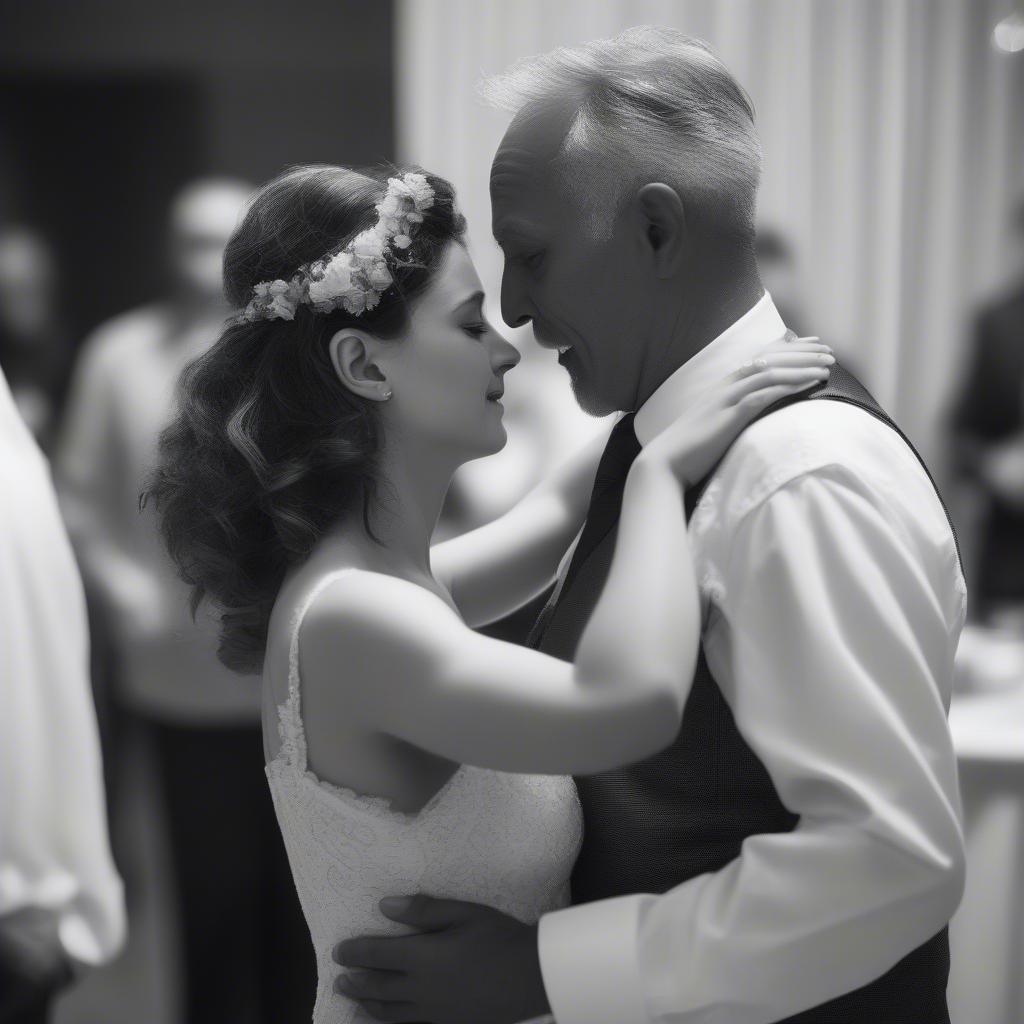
987, 426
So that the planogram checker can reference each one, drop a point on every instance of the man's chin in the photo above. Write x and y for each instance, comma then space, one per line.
591, 403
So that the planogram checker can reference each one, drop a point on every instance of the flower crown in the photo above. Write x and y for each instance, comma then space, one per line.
357, 276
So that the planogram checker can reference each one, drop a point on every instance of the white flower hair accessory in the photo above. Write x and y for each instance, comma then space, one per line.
357, 276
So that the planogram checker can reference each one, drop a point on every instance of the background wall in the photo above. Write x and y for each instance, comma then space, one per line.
108, 106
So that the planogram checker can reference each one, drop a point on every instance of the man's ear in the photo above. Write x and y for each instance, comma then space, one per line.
352, 354
664, 228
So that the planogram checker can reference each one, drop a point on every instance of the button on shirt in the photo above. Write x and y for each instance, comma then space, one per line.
832, 603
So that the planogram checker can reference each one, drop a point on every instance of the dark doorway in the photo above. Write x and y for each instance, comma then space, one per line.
93, 161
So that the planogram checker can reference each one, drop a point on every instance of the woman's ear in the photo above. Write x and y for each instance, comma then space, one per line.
663, 226
352, 354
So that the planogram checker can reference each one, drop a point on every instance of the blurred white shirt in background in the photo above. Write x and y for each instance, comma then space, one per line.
121, 397
54, 848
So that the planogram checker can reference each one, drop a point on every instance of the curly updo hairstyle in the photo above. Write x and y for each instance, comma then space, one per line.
267, 448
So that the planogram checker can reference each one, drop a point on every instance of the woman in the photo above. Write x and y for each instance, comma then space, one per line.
299, 488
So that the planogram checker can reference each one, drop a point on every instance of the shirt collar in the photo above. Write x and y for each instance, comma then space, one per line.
737, 344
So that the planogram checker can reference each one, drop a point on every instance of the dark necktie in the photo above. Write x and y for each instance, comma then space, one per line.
602, 514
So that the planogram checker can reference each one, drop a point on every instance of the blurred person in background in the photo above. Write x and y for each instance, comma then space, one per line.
778, 264
61, 904
34, 352
987, 428
236, 897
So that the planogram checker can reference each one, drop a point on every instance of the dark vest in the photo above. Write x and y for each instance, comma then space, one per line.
655, 824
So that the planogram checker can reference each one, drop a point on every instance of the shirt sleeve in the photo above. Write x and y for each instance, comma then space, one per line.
836, 661
54, 848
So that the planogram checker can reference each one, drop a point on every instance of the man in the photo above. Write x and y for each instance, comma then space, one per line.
61, 901
796, 853
236, 895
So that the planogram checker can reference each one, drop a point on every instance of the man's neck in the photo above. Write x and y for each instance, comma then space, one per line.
714, 307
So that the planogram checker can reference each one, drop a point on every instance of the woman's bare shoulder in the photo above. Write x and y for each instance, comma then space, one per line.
358, 605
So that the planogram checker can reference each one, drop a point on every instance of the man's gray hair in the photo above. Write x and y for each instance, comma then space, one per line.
654, 105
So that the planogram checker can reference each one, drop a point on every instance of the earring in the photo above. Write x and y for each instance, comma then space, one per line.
386, 394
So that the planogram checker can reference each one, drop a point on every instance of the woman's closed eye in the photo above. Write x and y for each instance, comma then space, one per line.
477, 329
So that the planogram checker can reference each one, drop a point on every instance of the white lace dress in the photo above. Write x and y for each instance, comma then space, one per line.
502, 839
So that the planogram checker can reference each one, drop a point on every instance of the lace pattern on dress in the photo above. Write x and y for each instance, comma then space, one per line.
503, 839
289, 713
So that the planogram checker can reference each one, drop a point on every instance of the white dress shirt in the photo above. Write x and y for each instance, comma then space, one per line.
54, 850
832, 603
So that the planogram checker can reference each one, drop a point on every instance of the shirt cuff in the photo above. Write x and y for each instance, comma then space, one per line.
589, 962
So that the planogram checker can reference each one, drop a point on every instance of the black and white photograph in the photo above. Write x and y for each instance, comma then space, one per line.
512, 512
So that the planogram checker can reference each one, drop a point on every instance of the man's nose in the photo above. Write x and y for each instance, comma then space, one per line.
515, 309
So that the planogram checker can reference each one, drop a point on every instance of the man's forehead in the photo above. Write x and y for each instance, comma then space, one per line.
518, 193
524, 193
530, 144
520, 165
514, 168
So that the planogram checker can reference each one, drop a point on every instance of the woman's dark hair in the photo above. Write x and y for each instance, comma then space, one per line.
267, 448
